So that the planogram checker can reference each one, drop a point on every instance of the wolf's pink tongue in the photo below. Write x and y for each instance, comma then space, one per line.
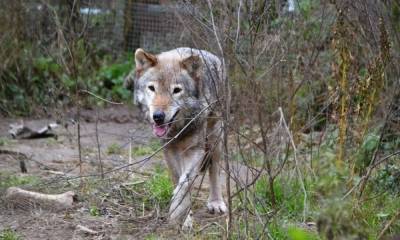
160, 131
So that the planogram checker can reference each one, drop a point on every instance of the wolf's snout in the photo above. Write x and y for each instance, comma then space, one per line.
158, 117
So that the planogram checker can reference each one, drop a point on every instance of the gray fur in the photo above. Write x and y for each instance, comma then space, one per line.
185, 155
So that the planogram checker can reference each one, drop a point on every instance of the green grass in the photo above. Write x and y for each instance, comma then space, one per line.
10, 180
155, 190
277, 230
341, 218
148, 149
8, 234
114, 149
4, 141
142, 151
296, 233
375, 212
151, 237
94, 211
160, 187
288, 196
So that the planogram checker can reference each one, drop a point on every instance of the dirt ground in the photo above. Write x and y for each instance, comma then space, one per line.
55, 162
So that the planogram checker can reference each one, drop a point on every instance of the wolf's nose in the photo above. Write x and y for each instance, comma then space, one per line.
158, 117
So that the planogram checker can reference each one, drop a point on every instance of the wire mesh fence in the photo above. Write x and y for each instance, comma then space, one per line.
115, 25
125, 25
152, 26
72, 40
283, 122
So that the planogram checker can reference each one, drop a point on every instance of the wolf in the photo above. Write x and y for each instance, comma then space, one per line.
178, 91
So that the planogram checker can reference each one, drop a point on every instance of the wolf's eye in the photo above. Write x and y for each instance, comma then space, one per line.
177, 90
151, 87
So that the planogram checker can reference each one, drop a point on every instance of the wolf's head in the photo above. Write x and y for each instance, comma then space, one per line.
168, 86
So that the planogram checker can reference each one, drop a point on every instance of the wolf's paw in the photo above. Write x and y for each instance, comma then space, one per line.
188, 223
217, 206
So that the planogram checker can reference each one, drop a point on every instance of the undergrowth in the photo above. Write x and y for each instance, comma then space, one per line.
8, 234
51, 87
156, 190
333, 74
8, 179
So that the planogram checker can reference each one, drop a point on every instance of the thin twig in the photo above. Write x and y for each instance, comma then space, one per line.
146, 158
297, 165
387, 226
238, 24
98, 145
382, 160
98, 97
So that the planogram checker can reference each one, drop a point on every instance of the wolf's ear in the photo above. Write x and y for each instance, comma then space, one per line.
192, 65
144, 60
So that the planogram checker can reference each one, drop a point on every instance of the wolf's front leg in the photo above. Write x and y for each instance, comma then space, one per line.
215, 202
179, 210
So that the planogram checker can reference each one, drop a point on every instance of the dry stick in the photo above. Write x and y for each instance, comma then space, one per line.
208, 225
79, 135
228, 174
296, 163
255, 178
373, 160
225, 125
372, 165
130, 153
247, 138
90, 93
238, 24
98, 145
369, 172
385, 158
74, 73
265, 225
246, 227
266, 162
391, 221
364, 179
103, 99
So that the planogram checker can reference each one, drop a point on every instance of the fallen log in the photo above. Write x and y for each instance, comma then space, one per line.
26, 200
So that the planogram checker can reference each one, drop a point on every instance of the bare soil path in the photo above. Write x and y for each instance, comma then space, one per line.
53, 165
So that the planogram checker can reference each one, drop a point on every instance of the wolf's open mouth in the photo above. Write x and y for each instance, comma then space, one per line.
161, 130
